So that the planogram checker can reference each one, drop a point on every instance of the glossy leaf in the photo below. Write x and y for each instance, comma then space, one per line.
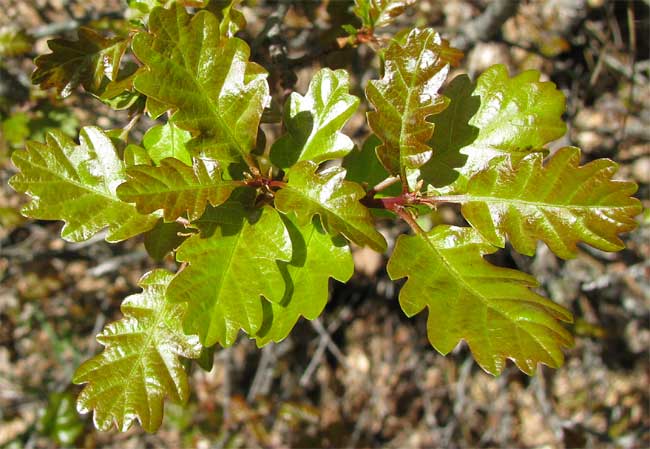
168, 140
214, 90
85, 61
517, 116
316, 257
175, 188
492, 308
378, 13
231, 265
560, 204
313, 122
140, 364
77, 184
231, 19
407, 95
335, 200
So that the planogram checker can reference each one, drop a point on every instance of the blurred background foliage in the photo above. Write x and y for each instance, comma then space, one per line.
362, 375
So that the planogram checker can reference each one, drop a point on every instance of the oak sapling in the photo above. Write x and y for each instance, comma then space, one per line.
259, 236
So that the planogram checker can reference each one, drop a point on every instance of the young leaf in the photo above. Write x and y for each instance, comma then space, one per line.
164, 238
316, 257
378, 13
560, 204
215, 91
517, 116
313, 122
334, 199
407, 95
229, 271
453, 131
492, 308
140, 364
231, 20
77, 184
168, 140
175, 188
85, 61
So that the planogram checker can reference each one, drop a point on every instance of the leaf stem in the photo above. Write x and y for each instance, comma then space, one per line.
383, 185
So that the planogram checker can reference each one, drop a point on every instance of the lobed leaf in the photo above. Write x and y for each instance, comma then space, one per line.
141, 363
327, 194
517, 116
230, 267
406, 96
77, 184
379, 13
168, 140
560, 203
492, 308
85, 61
316, 257
175, 188
217, 94
453, 132
313, 122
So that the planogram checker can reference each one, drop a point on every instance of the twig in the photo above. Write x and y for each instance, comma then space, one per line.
266, 359
487, 25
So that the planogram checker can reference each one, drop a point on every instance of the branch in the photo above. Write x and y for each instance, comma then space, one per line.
485, 26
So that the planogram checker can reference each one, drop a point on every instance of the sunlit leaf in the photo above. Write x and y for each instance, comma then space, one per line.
176, 188
407, 95
560, 203
168, 140
492, 308
313, 122
327, 194
140, 364
379, 13
316, 257
77, 184
517, 116
85, 61
214, 90
231, 265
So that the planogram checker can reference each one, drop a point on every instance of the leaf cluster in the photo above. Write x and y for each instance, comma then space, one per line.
259, 232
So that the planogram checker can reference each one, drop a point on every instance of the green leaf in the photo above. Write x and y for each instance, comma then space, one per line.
230, 270
77, 184
168, 140
452, 133
313, 122
215, 91
140, 364
560, 203
490, 307
60, 420
406, 96
316, 257
334, 199
378, 13
85, 61
175, 188
517, 116
231, 20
